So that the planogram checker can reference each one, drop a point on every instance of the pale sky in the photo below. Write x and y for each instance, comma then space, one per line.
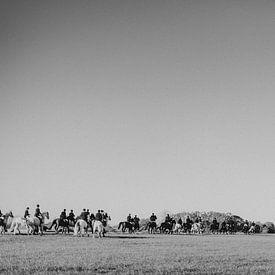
138, 106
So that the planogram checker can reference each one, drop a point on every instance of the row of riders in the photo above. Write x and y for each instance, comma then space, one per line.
199, 226
36, 224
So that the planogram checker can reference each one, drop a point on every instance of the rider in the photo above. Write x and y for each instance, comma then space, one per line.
180, 221
136, 219
129, 218
63, 215
215, 221
38, 213
188, 220
1, 216
98, 216
71, 216
27, 214
153, 217
83, 215
168, 219
92, 216
105, 215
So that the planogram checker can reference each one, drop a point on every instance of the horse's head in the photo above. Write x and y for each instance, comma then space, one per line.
9, 214
46, 215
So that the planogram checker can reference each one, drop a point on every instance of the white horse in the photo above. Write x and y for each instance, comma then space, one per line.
80, 228
98, 228
251, 230
177, 228
36, 224
5, 222
18, 223
196, 228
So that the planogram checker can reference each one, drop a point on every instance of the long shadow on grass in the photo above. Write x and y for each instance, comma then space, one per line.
127, 237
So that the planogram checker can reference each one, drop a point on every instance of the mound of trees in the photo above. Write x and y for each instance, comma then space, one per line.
269, 227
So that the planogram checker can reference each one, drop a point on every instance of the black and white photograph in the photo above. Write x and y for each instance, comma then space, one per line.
137, 137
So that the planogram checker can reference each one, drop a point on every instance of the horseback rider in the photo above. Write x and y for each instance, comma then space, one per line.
188, 220
92, 216
27, 214
105, 216
168, 219
153, 218
129, 218
1, 216
71, 216
63, 215
136, 219
98, 216
38, 213
215, 221
83, 215
180, 221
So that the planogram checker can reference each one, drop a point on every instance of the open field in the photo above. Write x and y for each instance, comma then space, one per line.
117, 253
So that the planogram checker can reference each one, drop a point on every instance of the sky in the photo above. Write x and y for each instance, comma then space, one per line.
138, 106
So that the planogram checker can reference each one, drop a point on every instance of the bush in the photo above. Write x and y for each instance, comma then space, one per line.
270, 227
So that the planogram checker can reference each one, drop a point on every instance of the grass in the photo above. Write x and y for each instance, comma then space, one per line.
117, 253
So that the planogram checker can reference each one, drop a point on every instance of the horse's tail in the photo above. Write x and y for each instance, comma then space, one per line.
120, 224
76, 228
13, 223
54, 222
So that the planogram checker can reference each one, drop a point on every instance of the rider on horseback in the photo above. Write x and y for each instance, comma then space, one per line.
38, 213
168, 219
188, 220
27, 214
63, 215
215, 221
153, 217
71, 216
129, 218
136, 219
1, 217
98, 216
83, 215
180, 221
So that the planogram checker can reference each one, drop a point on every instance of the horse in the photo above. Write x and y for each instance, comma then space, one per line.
5, 222
136, 226
64, 223
196, 228
187, 227
245, 228
167, 227
126, 225
251, 229
214, 228
36, 224
17, 223
178, 228
80, 228
151, 227
98, 228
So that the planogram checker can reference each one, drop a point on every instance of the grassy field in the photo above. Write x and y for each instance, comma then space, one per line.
117, 253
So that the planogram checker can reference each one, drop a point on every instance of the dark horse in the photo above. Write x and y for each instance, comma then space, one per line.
151, 227
126, 225
167, 227
4, 222
64, 223
214, 228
